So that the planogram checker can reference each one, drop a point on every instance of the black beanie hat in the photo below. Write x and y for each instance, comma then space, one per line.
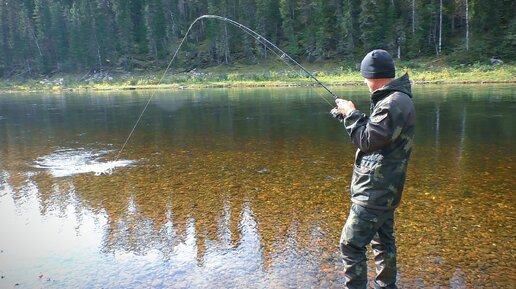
377, 64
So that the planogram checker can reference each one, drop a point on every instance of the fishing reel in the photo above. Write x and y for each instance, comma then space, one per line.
337, 114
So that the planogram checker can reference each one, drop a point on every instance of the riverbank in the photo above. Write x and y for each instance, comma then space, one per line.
272, 74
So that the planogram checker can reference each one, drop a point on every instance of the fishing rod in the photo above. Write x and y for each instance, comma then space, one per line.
261, 38
271, 46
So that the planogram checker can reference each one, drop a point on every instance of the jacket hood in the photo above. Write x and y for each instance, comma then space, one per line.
401, 84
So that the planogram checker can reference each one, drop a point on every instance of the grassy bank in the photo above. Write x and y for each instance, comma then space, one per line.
268, 74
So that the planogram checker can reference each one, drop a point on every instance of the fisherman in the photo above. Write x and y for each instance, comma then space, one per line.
384, 141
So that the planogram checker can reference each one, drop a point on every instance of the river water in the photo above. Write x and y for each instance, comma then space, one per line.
244, 188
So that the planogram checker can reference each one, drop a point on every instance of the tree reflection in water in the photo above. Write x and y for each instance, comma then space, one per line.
214, 205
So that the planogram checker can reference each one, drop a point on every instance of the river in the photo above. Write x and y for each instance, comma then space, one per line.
244, 188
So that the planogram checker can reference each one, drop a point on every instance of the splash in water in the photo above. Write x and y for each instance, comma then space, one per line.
69, 162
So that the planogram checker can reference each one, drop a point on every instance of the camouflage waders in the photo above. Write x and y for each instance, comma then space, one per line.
368, 226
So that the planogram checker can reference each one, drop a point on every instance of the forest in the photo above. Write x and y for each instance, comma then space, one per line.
44, 37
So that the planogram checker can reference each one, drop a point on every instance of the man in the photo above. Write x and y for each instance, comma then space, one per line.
384, 141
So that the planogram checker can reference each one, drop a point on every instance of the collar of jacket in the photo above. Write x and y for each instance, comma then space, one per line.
400, 84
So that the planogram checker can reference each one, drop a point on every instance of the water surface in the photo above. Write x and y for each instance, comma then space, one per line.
244, 188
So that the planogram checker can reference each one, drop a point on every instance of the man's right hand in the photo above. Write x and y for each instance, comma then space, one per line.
345, 107
337, 115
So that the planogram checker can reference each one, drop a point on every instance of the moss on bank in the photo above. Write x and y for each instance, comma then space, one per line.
269, 74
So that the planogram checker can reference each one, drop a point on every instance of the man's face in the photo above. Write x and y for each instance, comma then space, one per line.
376, 83
369, 84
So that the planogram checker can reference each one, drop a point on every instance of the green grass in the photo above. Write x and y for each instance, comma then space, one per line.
274, 73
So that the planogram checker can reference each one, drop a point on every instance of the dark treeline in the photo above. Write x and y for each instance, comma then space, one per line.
48, 36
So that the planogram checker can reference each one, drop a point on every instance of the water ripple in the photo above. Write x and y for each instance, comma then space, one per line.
68, 162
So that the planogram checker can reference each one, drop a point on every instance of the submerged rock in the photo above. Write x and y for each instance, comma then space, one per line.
263, 171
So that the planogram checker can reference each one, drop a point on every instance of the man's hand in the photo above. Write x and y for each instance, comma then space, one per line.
345, 107
337, 115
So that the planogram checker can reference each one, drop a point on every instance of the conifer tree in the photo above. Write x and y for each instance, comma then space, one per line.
171, 25
105, 29
76, 39
288, 17
46, 36
43, 23
3, 47
345, 37
60, 35
247, 15
17, 39
322, 28
263, 24
371, 25
124, 32
307, 38
153, 24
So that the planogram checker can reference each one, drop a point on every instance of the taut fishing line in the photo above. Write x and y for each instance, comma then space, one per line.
271, 46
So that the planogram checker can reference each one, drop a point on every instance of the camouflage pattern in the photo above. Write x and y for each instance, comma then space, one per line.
369, 226
384, 142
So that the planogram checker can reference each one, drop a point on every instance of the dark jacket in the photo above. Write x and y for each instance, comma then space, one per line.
384, 141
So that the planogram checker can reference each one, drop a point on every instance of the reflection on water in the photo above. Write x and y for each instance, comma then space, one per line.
244, 189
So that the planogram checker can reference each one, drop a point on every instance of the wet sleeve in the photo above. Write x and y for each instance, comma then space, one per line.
374, 132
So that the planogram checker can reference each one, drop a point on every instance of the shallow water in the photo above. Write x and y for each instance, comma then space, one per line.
244, 188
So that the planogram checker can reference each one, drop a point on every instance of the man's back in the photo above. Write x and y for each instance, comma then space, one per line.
384, 142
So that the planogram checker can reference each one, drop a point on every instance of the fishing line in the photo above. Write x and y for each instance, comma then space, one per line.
271, 46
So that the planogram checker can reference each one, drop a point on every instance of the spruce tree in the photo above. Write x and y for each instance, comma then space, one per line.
171, 25
105, 29
321, 23
18, 40
345, 37
152, 22
60, 35
75, 38
3, 47
288, 13
124, 32
44, 35
371, 25
247, 17
307, 38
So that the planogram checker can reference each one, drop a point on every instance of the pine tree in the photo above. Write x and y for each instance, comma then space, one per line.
152, 24
467, 25
43, 35
371, 25
76, 39
124, 32
322, 28
508, 46
247, 17
139, 28
3, 63
105, 29
345, 37
263, 26
440, 27
490, 24
17, 40
60, 35
307, 39
217, 34
172, 25
288, 17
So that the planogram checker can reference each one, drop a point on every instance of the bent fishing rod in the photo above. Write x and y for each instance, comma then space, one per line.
262, 39
271, 46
